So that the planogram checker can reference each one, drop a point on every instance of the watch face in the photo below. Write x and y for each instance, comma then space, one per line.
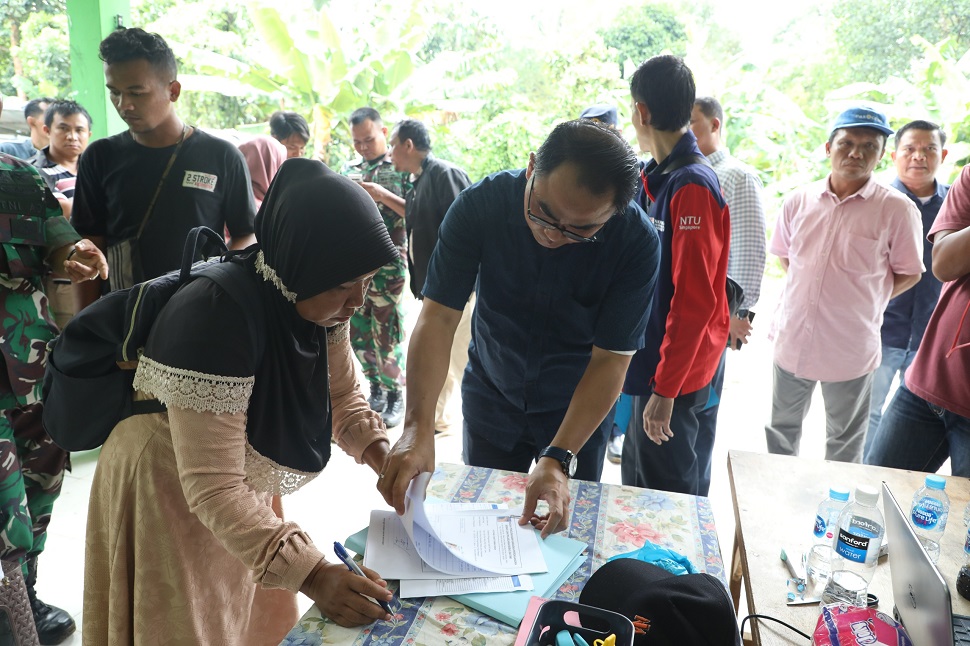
573, 463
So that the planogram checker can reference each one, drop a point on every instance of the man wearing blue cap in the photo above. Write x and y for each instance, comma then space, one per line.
604, 113
848, 244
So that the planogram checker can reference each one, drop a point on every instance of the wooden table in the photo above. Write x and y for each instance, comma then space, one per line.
775, 499
610, 519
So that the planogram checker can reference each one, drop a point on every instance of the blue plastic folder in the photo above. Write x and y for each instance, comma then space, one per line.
563, 557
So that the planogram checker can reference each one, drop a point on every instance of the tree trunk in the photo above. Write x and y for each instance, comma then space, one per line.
18, 65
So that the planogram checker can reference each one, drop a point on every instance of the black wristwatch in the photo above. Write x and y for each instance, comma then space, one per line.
565, 458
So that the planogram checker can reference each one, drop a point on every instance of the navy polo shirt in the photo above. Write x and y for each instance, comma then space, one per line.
539, 311
906, 316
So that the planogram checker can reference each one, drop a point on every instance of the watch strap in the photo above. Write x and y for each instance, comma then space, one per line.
564, 457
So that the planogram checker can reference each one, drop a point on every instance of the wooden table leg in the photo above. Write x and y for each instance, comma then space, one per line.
736, 573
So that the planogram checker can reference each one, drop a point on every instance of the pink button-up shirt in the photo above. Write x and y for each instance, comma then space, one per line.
842, 256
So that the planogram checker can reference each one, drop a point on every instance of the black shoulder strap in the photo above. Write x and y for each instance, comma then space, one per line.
233, 278
686, 160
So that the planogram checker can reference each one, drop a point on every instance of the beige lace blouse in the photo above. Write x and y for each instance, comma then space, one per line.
225, 480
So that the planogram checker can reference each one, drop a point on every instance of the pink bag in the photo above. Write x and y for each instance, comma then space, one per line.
842, 625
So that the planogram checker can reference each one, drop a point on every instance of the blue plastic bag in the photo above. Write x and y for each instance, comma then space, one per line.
673, 562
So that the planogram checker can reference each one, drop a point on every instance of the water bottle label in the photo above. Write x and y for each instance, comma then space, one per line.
926, 513
966, 544
819, 527
855, 544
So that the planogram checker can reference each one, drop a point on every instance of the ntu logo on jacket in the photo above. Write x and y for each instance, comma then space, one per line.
689, 222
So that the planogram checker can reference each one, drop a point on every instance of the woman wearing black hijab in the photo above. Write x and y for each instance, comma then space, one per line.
183, 546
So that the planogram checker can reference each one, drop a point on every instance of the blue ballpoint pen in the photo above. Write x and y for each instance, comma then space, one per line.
351, 564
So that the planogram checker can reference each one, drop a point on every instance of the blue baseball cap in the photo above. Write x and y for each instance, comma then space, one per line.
863, 117
602, 112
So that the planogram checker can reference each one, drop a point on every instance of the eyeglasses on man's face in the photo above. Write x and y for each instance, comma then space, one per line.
552, 226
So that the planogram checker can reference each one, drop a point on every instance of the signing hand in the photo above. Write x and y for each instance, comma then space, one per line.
740, 331
656, 418
547, 482
411, 455
339, 593
86, 262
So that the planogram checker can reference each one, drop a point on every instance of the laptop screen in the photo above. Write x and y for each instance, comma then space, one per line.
921, 595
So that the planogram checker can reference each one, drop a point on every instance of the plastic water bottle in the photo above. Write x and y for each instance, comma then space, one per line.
860, 534
827, 516
931, 507
966, 514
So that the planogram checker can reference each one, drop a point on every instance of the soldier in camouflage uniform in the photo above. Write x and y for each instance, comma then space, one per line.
377, 328
33, 235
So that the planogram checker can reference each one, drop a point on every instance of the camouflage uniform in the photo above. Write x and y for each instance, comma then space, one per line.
31, 465
377, 328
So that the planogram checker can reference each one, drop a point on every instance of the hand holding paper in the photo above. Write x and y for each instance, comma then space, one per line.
410, 457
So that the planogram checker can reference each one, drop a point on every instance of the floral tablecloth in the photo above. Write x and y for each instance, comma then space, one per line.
611, 519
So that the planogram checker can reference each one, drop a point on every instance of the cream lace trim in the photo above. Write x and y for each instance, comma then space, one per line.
265, 475
338, 334
192, 390
269, 274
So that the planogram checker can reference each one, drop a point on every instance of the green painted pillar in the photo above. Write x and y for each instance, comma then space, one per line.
89, 21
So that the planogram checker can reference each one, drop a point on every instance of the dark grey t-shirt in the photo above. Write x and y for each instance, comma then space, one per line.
207, 186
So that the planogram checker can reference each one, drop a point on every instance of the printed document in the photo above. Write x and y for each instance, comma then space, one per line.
409, 589
460, 540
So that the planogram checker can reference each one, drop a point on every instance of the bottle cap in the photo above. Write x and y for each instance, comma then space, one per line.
838, 492
936, 482
866, 495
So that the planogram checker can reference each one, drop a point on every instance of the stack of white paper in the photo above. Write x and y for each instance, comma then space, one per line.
452, 548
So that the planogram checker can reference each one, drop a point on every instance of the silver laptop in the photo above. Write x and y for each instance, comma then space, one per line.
919, 590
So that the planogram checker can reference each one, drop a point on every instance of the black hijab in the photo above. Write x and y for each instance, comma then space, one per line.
316, 230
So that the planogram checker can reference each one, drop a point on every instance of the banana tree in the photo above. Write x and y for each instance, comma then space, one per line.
322, 62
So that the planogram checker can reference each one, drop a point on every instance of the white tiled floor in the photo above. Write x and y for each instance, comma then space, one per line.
338, 502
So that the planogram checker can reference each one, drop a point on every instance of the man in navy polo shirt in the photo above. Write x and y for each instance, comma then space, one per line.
670, 379
564, 267
919, 152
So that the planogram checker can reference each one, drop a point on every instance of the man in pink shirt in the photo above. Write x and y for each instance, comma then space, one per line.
848, 244
928, 420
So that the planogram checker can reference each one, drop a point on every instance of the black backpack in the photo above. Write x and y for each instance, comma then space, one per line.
91, 365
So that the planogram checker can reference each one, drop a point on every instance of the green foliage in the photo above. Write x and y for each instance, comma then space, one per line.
641, 32
35, 18
318, 62
45, 54
492, 89
195, 28
875, 36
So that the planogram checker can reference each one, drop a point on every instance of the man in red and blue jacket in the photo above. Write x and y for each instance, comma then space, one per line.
670, 378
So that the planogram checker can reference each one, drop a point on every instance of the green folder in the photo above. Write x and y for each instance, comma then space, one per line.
563, 557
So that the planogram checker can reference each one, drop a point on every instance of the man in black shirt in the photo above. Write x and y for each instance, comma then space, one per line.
162, 176
435, 186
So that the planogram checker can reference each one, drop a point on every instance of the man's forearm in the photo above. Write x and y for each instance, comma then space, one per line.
393, 202
429, 353
593, 398
951, 254
902, 282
